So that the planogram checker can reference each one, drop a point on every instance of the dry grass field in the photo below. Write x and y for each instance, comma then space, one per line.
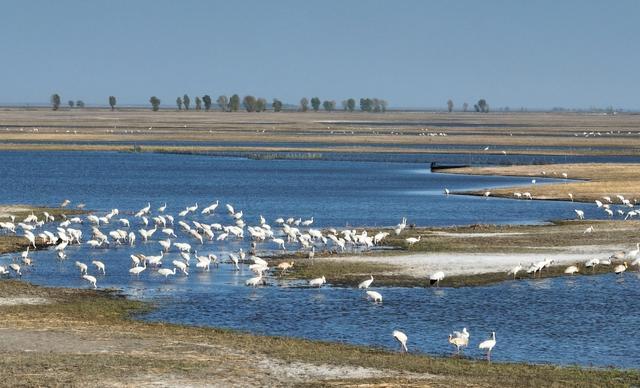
357, 130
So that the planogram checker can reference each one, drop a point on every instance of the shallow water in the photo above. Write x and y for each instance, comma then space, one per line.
583, 320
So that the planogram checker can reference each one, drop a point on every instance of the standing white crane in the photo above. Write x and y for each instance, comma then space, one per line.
366, 283
488, 345
402, 339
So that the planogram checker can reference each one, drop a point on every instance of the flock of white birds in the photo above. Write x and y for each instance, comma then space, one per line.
113, 230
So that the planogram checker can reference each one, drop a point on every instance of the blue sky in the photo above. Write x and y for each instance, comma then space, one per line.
536, 54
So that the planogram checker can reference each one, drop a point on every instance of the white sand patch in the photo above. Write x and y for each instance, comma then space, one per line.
22, 300
423, 264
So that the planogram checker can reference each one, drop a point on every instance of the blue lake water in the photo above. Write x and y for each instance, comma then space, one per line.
562, 320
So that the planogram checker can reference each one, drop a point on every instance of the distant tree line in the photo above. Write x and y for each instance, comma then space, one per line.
481, 106
249, 103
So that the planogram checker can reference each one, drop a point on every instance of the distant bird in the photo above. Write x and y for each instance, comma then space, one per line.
317, 282
255, 281
572, 269
488, 345
458, 342
99, 265
570, 196
65, 203
487, 193
592, 264
166, 272
588, 230
375, 296
620, 268
284, 266
413, 240
90, 279
598, 203
446, 191
82, 267
515, 270
402, 339
634, 253
436, 278
366, 283
137, 270
579, 213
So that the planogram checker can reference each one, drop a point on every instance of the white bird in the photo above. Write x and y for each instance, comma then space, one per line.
515, 270
15, 268
459, 342
446, 191
255, 281
166, 272
598, 203
572, 269
620, 268
592, 264
90, 279
181, 265
99, 265
402, 339
317, 282
82, 267
588, 230
634, 253
375, 296
137, 269
412, 240
579, 213
436, 278
162, 208
488, 345
366, 283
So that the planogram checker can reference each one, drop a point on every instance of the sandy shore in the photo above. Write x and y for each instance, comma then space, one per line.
464, 263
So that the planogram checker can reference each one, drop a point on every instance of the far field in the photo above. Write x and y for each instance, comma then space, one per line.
402, 132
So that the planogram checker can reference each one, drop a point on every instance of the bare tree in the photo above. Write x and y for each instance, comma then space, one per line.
465, 106
450, 106
223, 103
304, 104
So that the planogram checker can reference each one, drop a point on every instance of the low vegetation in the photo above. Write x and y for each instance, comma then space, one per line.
136, 352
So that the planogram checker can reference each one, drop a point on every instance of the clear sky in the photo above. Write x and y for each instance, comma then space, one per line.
536, 54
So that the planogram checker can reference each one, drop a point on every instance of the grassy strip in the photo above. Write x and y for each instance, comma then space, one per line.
106, 313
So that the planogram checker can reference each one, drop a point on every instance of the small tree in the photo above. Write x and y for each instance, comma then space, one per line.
329, 105
207, 101
315, 103
179, 103
351, 104
465, 106
450, 106
277, 105
186, 101
80, 104
383, 105
198, 103
304, 104
249, 103
375, 103
155, 103
261, 105
55, 101
223, 103
112, 102
234, 103
71, 103
366, 104
481, 106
